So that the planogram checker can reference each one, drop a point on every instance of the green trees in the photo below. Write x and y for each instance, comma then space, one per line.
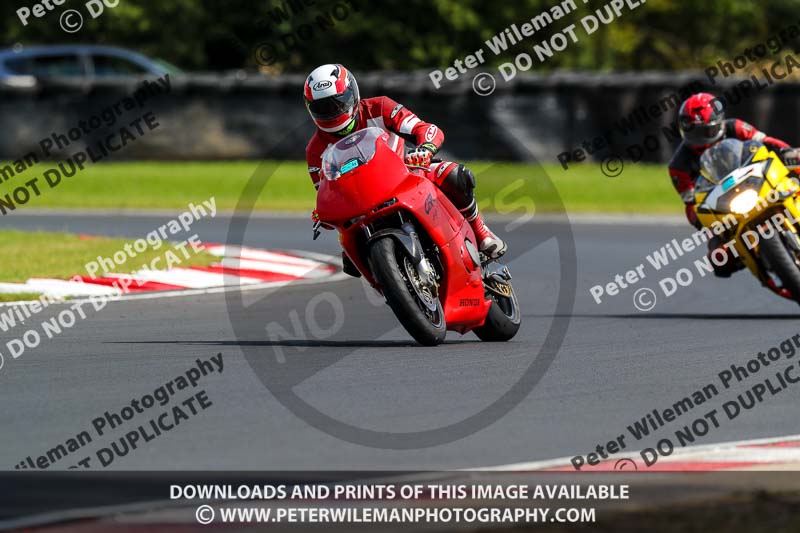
408, 34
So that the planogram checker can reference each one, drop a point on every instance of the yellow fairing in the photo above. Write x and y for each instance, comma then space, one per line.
778, 178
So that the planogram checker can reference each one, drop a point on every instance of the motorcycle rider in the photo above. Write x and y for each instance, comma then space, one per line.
333, 101
702, 124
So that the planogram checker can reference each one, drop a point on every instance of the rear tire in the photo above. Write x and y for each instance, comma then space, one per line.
503, 319
783, 263
386, 259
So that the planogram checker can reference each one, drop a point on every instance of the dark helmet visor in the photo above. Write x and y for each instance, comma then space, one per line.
333, 106
701, 135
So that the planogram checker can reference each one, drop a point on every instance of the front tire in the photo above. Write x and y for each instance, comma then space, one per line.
783, 264
388, 265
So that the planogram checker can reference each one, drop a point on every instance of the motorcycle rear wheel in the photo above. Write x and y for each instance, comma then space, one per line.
388, 261
783, 263
503, 319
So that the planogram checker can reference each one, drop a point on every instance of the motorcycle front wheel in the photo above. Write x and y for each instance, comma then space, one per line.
783, 263
416, 306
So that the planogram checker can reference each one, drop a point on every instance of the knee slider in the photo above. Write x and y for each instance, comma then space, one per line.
459, 186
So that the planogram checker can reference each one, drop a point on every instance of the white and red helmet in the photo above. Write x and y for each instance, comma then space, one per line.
331, 95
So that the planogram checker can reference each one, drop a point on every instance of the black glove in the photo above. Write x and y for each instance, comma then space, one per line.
790, 156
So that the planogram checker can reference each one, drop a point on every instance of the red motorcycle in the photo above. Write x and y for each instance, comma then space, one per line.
411, 244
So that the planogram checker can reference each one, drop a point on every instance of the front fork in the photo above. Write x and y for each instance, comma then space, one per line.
407, 237
793, 239
788, 234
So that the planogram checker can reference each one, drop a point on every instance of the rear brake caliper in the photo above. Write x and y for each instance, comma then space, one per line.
495, 278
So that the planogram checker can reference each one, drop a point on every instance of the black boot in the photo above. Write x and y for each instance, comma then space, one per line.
348, 267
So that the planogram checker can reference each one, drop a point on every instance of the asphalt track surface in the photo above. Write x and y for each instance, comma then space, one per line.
615, 365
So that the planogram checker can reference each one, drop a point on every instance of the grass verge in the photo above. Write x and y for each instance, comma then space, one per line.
62, 255
19, 297
173, 185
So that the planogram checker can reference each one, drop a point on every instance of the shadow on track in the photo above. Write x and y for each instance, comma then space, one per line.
684, 316
299, 343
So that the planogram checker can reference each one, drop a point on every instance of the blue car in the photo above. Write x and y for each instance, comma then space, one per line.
80, 61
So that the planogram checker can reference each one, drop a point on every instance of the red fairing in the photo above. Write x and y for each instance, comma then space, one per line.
363, 190
384, 113
351, 196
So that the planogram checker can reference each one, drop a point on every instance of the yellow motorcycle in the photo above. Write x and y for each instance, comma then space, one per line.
746, 195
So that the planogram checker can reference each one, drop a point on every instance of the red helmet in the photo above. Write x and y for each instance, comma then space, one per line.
331, 95
702, 120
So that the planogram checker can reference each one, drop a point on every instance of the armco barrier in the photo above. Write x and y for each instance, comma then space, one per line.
211, 116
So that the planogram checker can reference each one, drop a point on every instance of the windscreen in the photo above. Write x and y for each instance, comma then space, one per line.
719, 161
351, 152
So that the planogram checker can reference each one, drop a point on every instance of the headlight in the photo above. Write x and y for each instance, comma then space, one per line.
744, 202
